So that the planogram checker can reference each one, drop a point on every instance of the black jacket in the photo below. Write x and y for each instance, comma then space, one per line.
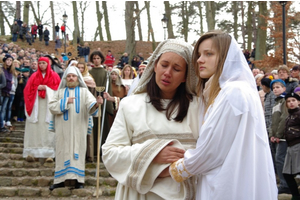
292, 127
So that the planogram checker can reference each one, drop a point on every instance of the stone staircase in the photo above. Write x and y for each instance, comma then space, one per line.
22, 179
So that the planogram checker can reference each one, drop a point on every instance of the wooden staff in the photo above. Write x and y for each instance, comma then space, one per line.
99, 89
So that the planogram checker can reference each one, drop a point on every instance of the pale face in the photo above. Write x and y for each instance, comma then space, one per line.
170, 73
127, 72
43, 66
114, 76
97, 60
34, 65
207, 59
72, 78
282, 74
255, 72
295, 73
292, 103
80, 67
141, 70
278, 89
16, 65
8, 61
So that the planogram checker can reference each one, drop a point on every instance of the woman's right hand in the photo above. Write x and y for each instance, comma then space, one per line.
169, 154
41, 87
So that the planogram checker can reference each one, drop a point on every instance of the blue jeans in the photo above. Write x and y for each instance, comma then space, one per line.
86, 58
6, 108
14, 37
281, 148
46, 43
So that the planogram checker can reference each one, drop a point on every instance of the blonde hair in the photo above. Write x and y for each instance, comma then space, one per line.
221, 43
86, 70
131, 71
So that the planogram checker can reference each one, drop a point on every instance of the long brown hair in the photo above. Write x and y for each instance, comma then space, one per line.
221, 42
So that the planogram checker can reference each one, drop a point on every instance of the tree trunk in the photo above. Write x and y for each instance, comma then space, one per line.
34, 13
99, 18
83, 6
26, 12
249, 25
168, 12
129, 26
235, 19
2, 29
53, 22
18, 10
243, 25
76, 32
210, 14
185, 20
200, 16
138, 20
106, 20
150, 28
262, 31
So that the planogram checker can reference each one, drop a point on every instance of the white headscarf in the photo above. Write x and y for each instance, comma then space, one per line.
73, 70
179, 47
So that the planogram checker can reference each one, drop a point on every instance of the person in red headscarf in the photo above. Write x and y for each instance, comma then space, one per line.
38, 141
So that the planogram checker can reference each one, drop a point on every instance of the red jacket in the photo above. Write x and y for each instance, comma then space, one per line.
34, 29
62, 28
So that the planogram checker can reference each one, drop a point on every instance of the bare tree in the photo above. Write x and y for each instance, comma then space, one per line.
129, 26
26, 12
262, 31
83, 5
106, 21
99, 18
243, 25
210, 14
76, 32
235, 18
168, 12
200, 16
2, 29
53, 22
18, 10
249, 25
150, 28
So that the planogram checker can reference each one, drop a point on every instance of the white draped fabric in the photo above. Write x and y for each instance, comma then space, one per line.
232, 159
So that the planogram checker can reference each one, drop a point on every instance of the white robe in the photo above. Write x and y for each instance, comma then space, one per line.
38, 141
137, 135
232, 158
71, 125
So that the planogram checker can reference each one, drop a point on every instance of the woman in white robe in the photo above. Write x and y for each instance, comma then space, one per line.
232, 159
149, 131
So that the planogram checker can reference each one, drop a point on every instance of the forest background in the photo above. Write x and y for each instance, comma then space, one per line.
252, 23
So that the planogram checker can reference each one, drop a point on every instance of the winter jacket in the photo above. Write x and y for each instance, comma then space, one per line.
34, 29
40, 29
46, 35
15, 28
279, 114
292, 127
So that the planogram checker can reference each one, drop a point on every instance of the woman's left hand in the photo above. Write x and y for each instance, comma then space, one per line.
41, 87
164, 173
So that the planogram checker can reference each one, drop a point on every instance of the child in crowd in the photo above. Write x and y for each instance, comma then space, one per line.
276, 135
292, 134
28, 37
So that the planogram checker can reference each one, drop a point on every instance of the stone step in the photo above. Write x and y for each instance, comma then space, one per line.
8, 139
20, 172
21, 163
13, 150
105, 192
11, 145
45, 181
14, 134
9, 156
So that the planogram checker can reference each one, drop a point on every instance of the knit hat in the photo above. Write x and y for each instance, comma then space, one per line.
292, 95
7, 56
179, 47
275, 81
266, 82
297, 89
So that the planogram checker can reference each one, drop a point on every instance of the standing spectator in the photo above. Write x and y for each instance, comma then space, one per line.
57, 30
109, 59
23, 31
8, 92
2, 85
292, 134
38, 141
284, 74
57, 44
63, 30
72, 105
28, 37
40, 31
79, 51
86, 52
46, 36
15, 29
34, 31
20, 22
276, 134
295, 72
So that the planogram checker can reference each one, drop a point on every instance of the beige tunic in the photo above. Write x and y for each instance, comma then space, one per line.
138, 134
72, 123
